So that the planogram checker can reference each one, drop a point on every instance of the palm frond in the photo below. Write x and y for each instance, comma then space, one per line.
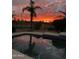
37, 7
26, 8
63, 12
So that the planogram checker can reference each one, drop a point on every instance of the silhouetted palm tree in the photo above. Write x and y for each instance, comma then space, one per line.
31, 9
63, 12
60, 25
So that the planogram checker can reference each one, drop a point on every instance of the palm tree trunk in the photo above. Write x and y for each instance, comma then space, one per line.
31, 30
31, 18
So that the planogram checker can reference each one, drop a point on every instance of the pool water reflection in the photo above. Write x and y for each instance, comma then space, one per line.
43, 47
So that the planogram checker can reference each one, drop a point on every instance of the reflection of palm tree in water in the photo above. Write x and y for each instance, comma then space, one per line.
31, 9
32, 46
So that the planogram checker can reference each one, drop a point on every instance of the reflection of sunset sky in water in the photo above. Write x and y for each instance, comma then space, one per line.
49, 9
41, 46
25, 39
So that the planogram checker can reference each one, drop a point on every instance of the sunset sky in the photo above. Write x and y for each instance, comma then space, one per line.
48, 13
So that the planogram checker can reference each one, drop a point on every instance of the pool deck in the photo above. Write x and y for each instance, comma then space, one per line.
18, 55
38, 34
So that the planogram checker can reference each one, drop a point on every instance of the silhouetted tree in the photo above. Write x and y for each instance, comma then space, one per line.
31, 9
60, 25
13, 15
13, 21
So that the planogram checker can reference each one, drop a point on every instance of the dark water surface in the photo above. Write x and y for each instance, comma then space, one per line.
43, 47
